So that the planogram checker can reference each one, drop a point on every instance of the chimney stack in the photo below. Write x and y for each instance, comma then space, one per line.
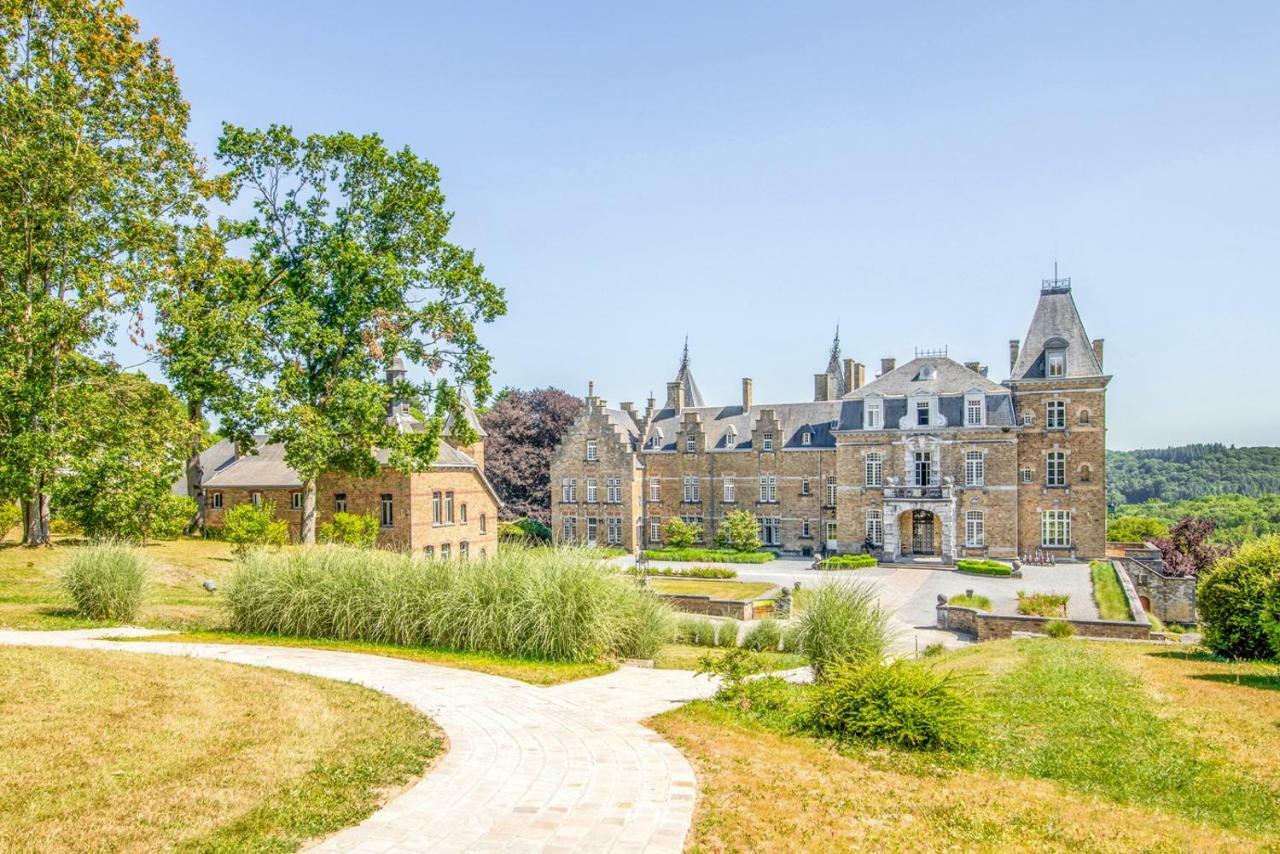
856, 374
675, 395
630, 408
1097, 350
1013, 353
746, 394
823, 387
887, 365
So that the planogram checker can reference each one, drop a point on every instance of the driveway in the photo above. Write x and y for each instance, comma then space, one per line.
567, 768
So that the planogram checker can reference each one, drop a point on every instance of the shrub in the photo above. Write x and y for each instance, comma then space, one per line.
933, 649
1136, 529
1239, 604
524, 530
848, 562
841, 621
350, 529
10, 518
246, 526
698, 631
903, 704
1059, 629
984, 567
727, 634
791, 640
544, 603
964, 600
709, 555
680, 534
740, 532
64, 527
1043, 604
764, 636
106, 581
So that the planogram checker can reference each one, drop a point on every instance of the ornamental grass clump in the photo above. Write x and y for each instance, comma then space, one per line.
841, 621
106, 581
548, 604
764, 636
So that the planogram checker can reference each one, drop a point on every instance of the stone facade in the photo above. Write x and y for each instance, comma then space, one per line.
930, 457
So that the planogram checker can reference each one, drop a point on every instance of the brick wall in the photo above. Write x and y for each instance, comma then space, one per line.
614, 458
985, 626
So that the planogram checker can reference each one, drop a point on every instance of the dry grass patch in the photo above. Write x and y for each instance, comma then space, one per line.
123, 752
741, 590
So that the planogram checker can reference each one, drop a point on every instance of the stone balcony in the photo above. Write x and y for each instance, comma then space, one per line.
942, 492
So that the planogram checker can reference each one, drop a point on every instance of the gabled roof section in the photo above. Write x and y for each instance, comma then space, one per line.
818, 419
1056, 317
936, 375
692, 396
468, 415
625, 424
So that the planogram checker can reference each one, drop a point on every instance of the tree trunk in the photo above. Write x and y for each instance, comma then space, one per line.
309, 511
195, 470
36, 515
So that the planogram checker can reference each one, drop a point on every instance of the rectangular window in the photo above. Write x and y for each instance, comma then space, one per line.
591, 490
831, 490
873, 417
1028, 419
691, 489
806, 438
655, 529
1028, 475
766, 442
464, 549
1056, 363
875, 527
448, 508
613, 530
295, 500
613, 490
973, 411
592, 525
730, 491
696, 521
340, 502
874, 469
831, 532
1055, 528
731, 439
769, 488
444, 551
255, 498
437, 508
570, 525
484, 523
975, 468
1055, 469
690, 444
923, 467
974, 532
388, 511
655, 489
1055, 415
593, 452
922, 413
462, 513
770, 530
569, 490
429, 552
804, 486
215, 500
804, 529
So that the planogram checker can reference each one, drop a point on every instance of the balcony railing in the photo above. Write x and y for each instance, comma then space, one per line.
925, 493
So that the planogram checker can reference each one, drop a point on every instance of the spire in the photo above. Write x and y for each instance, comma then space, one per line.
684, 376
834, 368
1056, 335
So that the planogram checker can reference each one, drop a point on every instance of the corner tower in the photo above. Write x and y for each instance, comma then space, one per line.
1059, 395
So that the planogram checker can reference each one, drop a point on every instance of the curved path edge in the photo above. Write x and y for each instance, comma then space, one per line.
568, 768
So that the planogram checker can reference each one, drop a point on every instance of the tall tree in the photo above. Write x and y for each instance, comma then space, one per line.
523, 428
94, 166
350, 266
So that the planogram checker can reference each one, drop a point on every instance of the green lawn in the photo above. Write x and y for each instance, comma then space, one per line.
1084, 745
1107, 592
533, 671
107, 751
964, 600
742, 590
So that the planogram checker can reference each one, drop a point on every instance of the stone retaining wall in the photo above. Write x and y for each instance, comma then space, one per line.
691, 603
985, 626
1172, 598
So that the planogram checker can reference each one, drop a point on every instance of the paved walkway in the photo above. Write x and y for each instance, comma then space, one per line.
567, 768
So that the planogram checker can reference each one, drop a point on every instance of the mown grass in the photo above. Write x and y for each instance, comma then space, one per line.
740, 590
964, 600
1107, 592
1081, 745
530, 670
116, 752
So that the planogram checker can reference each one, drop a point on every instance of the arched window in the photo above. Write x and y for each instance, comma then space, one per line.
1084, 416
1086, 474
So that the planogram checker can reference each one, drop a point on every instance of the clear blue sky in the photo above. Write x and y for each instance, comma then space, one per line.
752, 174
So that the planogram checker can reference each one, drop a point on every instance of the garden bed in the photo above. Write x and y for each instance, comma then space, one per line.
984, 567
709, 556
859, 561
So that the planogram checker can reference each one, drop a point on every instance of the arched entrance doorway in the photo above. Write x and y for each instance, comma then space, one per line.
921, 532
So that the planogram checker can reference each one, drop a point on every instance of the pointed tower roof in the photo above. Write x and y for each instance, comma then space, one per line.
834, 368
468, 415
692, 396
1056, 325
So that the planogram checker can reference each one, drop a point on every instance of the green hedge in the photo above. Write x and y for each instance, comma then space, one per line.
848, 562
709, 555
691, 572
984, 567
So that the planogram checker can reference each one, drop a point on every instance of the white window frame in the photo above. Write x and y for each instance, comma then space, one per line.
255, 498
766, 442
1055, 363
437, 508
593, 529
1028, 475
731, 438
975, 404
339, 502
655, 489
295, 500
975, 468
387, 517
569, 490
805, 529
655, 529
569, 529
613, 490
690, 444
806, 438
696, 521
925, 407
770, 530
831, 490
1055, 528
1055, 469
804, 486
1055, 415
593, 450
874, 527
448, 507
215, 500
872, 416
830, 527
593, 490
768, 489
873, 469
975, 532
613, 530
730, 491
691, 489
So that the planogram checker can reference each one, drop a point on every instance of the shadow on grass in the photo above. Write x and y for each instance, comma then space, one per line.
1248, 680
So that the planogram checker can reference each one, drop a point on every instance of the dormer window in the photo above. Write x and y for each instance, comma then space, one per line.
731, 438
593, 452
975, 410
655, 440
1055, 363
806, 438
922, 413
690, 444
766, 442
928, 372
872, 418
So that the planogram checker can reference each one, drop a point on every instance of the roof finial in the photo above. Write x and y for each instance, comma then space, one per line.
835, 344
591, 388
684, 356
1055, 285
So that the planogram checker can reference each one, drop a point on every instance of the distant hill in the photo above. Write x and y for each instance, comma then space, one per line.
1190, 471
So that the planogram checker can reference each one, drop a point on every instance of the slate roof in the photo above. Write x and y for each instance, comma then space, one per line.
818, 418
999, 411
1056, 317
950, 377
692, 395
626, 425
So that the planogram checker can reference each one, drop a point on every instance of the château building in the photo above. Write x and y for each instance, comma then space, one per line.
930, 457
